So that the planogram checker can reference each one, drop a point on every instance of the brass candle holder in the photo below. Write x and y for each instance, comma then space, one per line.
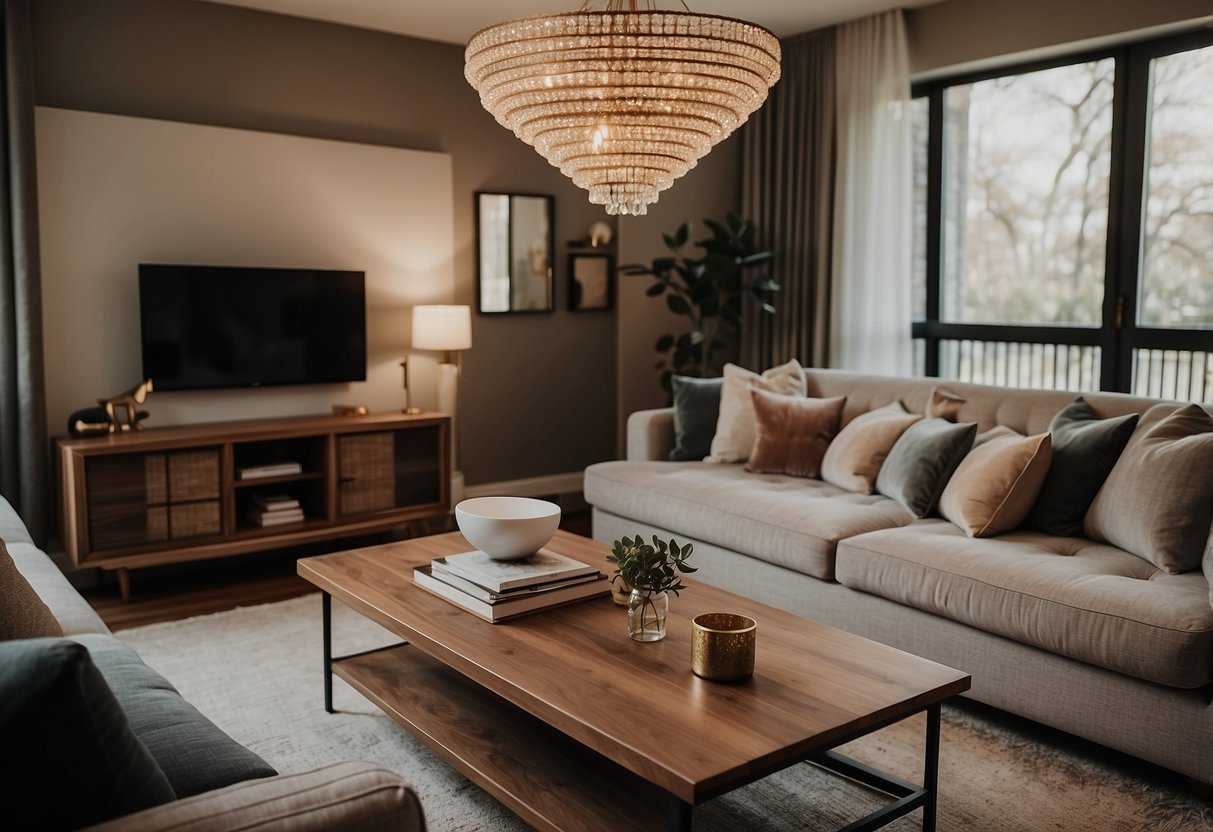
722, 646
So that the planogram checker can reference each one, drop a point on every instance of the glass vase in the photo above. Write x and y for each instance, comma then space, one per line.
647, 612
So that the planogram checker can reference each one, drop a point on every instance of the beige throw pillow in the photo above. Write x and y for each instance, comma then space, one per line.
735, 427
1158, 501
22, 613
944, 404
854, 457
996, 485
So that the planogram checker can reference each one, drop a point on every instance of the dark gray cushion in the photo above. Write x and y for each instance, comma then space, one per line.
922, 461
68, 756
192, 751
696, 410
1085, 448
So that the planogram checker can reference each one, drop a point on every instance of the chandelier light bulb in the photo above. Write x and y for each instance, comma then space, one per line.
623, 101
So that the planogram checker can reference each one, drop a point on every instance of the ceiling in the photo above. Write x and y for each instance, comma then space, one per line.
454, 21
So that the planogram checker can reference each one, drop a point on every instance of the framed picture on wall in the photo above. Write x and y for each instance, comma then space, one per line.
591, 282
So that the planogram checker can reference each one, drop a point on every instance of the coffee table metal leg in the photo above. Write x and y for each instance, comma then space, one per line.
326, 606
680, 815
930, 775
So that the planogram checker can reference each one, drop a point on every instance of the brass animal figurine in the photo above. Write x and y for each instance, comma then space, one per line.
129, 403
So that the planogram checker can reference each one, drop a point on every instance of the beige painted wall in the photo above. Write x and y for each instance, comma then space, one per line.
966, 34
539, 396
117, 191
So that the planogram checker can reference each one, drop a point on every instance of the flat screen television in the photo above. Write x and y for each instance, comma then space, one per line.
206, 327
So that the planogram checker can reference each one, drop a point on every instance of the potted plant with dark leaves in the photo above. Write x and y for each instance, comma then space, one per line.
652, 571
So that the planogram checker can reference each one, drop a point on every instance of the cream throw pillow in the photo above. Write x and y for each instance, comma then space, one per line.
854, 457
995, 486
736, 426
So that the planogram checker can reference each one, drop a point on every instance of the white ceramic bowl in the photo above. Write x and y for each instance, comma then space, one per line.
507, 528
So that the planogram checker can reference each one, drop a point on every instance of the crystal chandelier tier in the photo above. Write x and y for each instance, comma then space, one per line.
623, 101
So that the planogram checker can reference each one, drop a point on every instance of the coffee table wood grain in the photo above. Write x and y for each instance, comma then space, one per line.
558, 713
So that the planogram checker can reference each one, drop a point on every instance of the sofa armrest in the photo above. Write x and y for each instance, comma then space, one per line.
353, 797
650, 434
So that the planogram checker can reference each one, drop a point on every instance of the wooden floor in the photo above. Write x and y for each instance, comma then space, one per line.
185, 590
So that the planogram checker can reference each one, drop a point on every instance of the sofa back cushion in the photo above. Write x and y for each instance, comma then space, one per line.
1085, 447
70, 757
1158, 501
22, 613
856, 455
793, 433
995, 486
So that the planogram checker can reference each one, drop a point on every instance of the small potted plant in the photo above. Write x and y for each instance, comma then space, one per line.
652, 571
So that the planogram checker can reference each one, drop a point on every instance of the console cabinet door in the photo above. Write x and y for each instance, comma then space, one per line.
389, 470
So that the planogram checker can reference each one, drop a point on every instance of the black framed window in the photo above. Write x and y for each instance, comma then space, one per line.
1064, 222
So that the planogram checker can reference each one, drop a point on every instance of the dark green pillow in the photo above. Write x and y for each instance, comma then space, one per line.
68, 757
922, 461
1085, 448
696, 409
195, 754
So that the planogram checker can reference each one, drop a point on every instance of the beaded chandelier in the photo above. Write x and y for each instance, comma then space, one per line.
623, 101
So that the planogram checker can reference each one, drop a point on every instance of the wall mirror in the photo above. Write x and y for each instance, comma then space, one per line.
514, 249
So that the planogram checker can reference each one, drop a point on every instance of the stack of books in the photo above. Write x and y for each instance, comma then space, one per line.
274, 510
276, 469
496, 590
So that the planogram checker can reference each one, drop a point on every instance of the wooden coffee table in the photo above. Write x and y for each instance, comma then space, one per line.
572, 725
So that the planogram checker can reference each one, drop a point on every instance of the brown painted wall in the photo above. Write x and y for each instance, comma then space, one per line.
540, 390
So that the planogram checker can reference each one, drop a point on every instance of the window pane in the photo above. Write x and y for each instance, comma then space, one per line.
1177, 234
1026, 196
920, 125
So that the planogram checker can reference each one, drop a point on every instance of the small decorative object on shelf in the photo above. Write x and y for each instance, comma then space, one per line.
653, 571
92, 421
350, 410
128, 402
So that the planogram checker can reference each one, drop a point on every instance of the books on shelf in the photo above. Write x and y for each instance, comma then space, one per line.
274, 502
520, 601
542, 567
276, 469
276, 518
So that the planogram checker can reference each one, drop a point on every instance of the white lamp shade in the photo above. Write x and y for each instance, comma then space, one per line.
442, 327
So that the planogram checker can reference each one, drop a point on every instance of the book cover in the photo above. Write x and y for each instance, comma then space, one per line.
498, 575
274, 502
279, 469
276, 518
439, 571
495, 613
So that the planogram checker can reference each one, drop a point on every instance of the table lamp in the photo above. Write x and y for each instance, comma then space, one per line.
446, 329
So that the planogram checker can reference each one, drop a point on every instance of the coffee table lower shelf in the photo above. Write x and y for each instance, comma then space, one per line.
548, 779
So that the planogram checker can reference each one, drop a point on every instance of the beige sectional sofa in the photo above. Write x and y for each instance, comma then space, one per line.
346, 796
1074, 634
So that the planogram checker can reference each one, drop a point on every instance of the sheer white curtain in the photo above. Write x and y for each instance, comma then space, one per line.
870, 299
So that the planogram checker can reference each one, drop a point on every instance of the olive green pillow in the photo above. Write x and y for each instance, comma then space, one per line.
1085, 448
696, 409
922, 461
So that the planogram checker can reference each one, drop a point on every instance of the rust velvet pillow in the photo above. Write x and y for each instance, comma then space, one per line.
792, 433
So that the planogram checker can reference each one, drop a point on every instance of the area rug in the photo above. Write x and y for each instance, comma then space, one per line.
256, 671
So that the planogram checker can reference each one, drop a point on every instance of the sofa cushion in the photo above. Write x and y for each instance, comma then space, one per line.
1080, 599
792, 433
22, 613
70, 609
696, 409
923, 460
68, 757
1158, 501
1085, 447
735, 428
854, 458
995, 486
788, 521
944, 404
194, 754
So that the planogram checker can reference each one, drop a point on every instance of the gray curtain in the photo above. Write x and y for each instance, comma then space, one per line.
788, 191
23, 443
